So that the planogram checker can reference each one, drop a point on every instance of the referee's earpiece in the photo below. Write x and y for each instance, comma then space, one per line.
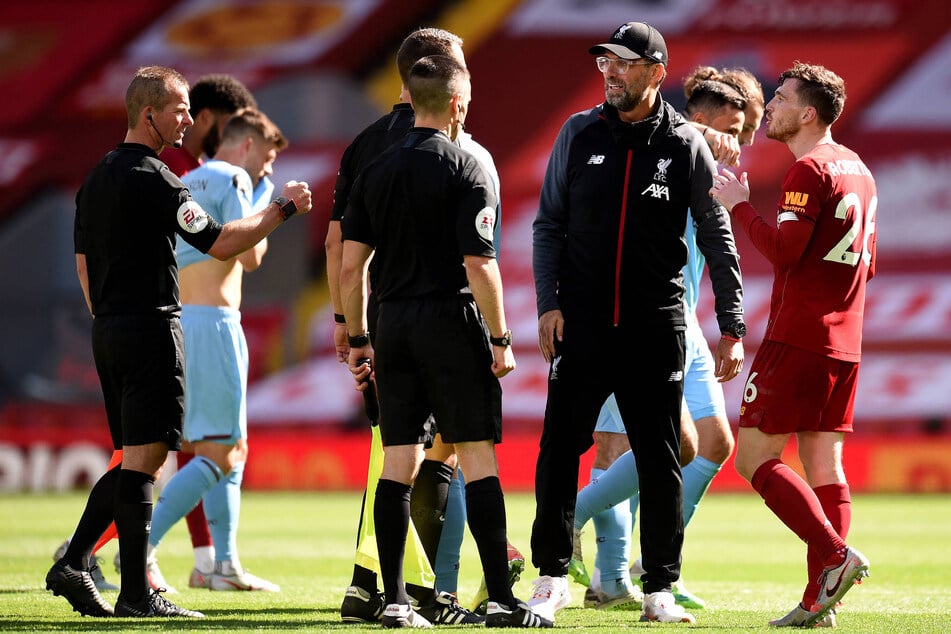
176, 144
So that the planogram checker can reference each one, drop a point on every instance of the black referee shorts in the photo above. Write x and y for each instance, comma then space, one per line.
433, 356
141, 364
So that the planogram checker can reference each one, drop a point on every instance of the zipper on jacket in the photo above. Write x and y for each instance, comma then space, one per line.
620, 239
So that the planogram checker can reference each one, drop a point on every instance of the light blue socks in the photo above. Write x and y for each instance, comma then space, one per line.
697, 477
223, 508
612, 521
181, 494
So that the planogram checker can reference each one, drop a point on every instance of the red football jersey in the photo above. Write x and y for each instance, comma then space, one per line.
822, 250
179, 160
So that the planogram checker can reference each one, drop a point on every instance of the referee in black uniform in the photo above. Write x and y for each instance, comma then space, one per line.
363, 602
425, 211
129, 211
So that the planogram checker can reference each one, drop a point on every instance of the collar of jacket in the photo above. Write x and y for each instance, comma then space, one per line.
656, 125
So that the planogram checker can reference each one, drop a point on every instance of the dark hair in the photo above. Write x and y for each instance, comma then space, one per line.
820, 88
705, 90
433, 81
252, 121
219, 93
151, 86
746, 82
423, 43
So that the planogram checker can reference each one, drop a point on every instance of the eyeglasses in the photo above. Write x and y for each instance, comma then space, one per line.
620, 65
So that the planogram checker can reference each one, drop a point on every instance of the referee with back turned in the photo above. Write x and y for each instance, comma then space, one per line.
425, 211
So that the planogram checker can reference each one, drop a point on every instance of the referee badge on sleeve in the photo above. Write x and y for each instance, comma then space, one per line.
191, 217
485, 223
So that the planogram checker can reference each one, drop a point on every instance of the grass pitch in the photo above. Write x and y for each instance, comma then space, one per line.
738, 557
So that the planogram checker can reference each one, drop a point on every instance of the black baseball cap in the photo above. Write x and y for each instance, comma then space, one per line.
634, 40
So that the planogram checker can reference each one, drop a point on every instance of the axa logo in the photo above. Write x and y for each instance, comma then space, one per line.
596, 159
661, 174
657, 191
796, 199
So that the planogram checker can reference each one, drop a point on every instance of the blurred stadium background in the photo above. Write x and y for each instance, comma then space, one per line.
323, 70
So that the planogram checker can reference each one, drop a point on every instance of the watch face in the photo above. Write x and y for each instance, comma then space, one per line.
739, 330
504, 340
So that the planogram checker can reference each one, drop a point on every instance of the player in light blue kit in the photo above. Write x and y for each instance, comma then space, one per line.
232, 185
717, 102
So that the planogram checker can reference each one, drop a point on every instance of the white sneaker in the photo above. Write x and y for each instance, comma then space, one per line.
551, 594
837, 581
397, 615
155, 577
661, 607
199, 579
619, 593
800, 617
230, 576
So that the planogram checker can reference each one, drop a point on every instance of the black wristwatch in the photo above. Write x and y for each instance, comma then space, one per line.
737, 330
288, 207
360, 341
505, 340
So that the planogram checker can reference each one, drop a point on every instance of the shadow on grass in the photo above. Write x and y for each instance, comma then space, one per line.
224, 620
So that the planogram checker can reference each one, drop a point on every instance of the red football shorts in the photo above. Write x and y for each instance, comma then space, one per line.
791, 390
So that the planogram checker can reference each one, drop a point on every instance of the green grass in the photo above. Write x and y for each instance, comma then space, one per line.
738, 557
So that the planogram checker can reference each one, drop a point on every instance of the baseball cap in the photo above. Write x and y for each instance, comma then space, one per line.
634, 40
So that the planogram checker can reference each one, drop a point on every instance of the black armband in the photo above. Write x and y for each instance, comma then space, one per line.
359, 341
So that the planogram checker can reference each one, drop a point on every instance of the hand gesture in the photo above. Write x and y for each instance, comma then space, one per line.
299, 192
728, 190
725, 147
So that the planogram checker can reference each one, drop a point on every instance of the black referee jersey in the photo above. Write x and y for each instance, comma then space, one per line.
367, 146
423, 205
128, 212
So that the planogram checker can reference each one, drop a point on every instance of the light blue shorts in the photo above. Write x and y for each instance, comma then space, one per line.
703, 395
216, 374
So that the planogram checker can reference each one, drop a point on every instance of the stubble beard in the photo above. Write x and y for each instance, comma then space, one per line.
624, 103
632, 96
781, 132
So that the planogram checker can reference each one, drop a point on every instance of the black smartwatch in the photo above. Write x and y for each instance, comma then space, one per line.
505, 340
288, 207
737, 330
360, 341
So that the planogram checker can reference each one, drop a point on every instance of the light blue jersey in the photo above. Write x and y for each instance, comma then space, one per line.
216, 352
693, 271
262, 195
224, 191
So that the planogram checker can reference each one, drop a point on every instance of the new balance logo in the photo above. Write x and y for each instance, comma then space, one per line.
596, 159
657, 191
676, 376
